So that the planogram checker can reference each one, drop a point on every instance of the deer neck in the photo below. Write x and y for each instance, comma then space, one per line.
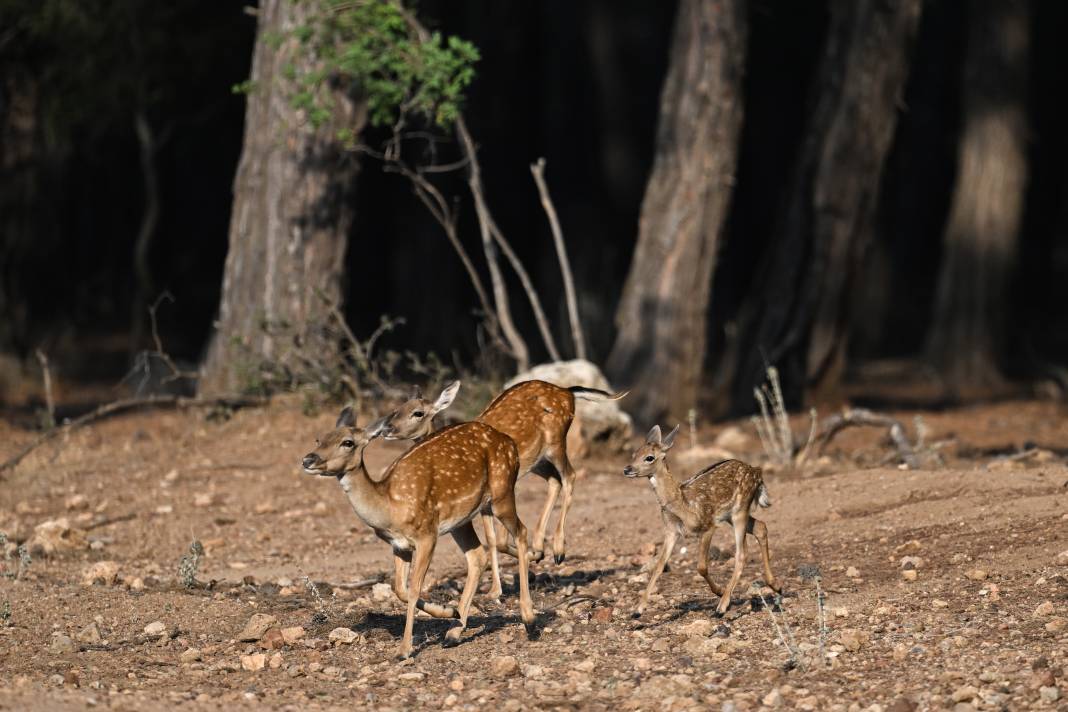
369, 499
669, 494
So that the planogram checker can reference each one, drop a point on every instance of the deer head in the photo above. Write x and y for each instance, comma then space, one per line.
341, 450
415, 418
647, 458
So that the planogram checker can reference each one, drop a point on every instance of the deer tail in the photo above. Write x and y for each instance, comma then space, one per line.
595, 394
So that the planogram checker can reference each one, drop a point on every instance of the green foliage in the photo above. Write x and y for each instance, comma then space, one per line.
371, 45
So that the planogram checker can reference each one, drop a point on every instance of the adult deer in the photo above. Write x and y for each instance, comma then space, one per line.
537, 416
723, 492
435, 488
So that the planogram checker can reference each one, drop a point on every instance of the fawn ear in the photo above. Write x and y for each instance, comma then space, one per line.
417, 393
346, 419
448, 394
654, 435
669, 439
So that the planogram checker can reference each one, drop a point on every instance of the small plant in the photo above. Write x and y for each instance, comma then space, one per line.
24, 558
811, 572
319, 617
773, 424
5, 612
788, 641
188, 565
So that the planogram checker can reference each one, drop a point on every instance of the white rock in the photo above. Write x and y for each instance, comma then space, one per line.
56, 536
105, 572
381, 592
252, 663
343, 636
155, 628
255, 628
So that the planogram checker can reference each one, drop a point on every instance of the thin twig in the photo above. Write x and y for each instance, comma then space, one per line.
154, 401
50, 402
176, 373
538, 170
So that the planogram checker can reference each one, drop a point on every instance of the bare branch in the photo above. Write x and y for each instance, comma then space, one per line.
537, 169
50, 402
862, 416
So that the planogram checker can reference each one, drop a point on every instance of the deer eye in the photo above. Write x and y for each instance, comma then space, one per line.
348, 444
418, 414
649, 458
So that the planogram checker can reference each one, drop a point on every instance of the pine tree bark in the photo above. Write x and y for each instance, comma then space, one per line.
980, 243
289, 225
662, 317
797, 315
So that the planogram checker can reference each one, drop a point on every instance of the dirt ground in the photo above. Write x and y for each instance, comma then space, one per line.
945, 588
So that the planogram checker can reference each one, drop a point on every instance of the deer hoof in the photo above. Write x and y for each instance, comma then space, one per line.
636, 615
452, 637
559, 558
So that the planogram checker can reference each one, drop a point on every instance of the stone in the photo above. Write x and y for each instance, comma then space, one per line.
1056, 625
272, 640
699, 627
190, 655
203, 499
976, 574
252, 663
103, 572
533, 671
275, 661
939, 603
381, 592
411, 676
155, 629
136, 584
504, 666
909, 574
62, 644
901, 704
256, 626
853, 639
586, 665
966, 693
772, 699
1050, 693
911, 562
343, 636
292, 634
56, 536
456, 684
1062, 558
76, 502
599, 420
601, 615
1044, 609
90, 634
852, 572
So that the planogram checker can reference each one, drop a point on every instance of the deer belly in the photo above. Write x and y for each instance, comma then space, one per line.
447, 525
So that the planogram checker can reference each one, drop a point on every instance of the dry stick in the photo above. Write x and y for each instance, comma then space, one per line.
862, 416
50, 402
155, 401
474, 181
579, 339
176, 372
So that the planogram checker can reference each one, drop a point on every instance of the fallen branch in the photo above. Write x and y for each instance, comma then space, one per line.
864, 417
50, 401
537, 169
108, 409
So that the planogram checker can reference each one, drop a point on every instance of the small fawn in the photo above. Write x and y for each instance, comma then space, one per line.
435, 488
537, 416
722, 492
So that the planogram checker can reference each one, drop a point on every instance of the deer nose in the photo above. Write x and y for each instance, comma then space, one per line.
310, 460
628, 471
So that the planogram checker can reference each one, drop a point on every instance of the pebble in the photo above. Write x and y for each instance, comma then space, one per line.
909, 574
155, 628
1050, 693
1062, 558
852, 572
456, 684
1044, 609
601, 615
450, 700
411, 676
854, 639
275, 662
1056, 625
911, 562
190, 655
504, 665
698, 627
976, 574
293, 634
939, 603
272, 640
343, 636
772, 699
381, 592
90, 634
841, 612
105, 572
965, 693
533, 671
252, 663
63, 644
902, 704
586, 665
257, 625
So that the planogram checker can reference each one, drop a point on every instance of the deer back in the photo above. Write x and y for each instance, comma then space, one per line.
722, 488
534, 414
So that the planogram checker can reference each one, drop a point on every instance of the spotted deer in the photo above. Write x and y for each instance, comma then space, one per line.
723, 492
537, 416
437, 487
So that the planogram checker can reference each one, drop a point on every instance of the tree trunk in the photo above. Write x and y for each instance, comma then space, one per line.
798, 313
662, 316
289, 225
979, 247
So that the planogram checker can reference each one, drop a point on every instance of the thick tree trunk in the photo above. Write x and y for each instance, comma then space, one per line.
979, 248
289, 225
662, 316
799, 307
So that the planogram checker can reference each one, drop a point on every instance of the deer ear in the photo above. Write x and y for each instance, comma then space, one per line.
654, 435
446, 398
346, 419
669, 439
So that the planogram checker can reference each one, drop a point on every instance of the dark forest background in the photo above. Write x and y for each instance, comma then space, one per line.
578, 83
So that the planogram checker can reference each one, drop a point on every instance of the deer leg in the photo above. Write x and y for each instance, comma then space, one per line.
401, 565
760, 530
468, 542
489, 527
424, 550
670, 535
538, 544
702, 560
567, 478
504, 509
741, 522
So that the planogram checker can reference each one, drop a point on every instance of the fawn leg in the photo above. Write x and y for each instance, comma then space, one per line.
401, 564
670, 535
424, 550
702, 560
740, 522
760, 530
468, 542
504, 508
538, 544
567, 479
489, 527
